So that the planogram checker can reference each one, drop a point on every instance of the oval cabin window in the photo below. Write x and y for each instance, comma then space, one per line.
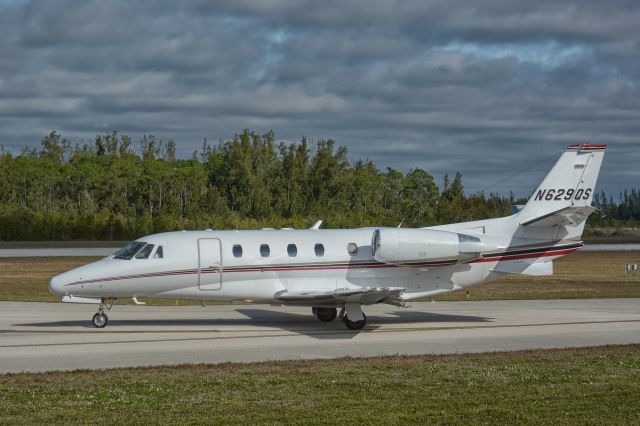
292, 250
265, 251
319, 249
237, 250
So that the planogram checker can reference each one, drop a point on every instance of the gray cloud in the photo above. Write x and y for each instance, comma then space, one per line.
483, 88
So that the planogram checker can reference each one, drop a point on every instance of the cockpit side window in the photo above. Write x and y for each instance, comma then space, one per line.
128, 251
145, 252
158, 254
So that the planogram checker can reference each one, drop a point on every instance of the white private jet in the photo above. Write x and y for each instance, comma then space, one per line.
347, 268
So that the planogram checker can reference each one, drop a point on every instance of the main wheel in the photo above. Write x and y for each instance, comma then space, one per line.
328, 314
100, 320
354, 325
325, 314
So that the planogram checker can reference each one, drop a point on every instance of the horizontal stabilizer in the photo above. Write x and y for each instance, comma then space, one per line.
366, 295
568, 216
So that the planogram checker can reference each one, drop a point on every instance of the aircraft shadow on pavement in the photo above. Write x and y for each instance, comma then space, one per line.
430, 317
305, 324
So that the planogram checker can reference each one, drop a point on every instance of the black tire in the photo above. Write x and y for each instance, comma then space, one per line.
355, 325
100, 320
326, 314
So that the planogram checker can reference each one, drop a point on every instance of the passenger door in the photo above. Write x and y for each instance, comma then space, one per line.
209, 264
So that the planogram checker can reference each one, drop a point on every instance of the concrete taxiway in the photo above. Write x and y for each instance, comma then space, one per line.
57, 336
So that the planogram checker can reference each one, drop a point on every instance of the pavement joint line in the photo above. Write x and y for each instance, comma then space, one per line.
292, 333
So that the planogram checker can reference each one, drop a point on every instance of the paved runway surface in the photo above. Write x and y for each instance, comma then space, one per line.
51, 336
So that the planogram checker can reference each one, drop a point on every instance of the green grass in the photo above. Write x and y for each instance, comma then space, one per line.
569, 386
579, 275
582, 275
26, 279
612, 239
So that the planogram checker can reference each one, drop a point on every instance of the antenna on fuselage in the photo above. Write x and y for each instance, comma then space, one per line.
316, 225
400, 224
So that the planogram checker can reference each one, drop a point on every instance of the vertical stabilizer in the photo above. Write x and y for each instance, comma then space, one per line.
564, 196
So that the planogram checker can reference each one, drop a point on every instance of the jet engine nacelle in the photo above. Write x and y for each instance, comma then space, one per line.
405, 246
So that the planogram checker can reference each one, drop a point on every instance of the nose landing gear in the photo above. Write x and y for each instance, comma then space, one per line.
100, 319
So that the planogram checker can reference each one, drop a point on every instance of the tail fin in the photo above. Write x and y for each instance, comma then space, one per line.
564, 196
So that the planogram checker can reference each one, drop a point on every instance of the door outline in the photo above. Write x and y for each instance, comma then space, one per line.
215, 284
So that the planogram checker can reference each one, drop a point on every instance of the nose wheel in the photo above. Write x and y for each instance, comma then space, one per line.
100, 319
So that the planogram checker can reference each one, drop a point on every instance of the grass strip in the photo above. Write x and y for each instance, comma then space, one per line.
599, 385
579, 275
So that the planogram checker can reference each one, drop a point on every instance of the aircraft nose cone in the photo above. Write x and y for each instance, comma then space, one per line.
56, 285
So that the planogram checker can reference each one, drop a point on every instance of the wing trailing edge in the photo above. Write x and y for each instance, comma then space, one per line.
365, 296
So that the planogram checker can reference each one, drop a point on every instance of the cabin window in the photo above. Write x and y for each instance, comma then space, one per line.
265, 251
237, 250
319, 249
292, 250
145, 252
158, 254
127, 252
352, 248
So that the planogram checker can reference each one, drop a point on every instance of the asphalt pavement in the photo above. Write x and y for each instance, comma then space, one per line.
57, 336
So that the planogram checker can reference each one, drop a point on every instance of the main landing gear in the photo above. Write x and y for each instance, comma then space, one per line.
325, 314
355, 324
351, 315
100, 319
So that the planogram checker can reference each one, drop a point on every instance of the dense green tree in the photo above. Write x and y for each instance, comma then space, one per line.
452, 202
107, 190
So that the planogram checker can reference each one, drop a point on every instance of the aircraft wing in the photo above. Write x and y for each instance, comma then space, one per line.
365, 295
563, 217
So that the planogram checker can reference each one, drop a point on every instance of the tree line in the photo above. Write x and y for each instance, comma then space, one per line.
115, 189
611, 213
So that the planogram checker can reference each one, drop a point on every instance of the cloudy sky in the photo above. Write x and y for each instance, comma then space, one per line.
485, 88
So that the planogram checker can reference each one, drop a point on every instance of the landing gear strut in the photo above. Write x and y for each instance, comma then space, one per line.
353, 310
325, 314
100, 319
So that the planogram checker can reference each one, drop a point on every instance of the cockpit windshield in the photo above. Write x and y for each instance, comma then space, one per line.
127, 252
145, 252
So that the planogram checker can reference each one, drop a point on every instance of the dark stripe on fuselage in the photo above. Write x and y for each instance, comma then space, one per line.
316, 266
533, 250
529, 253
